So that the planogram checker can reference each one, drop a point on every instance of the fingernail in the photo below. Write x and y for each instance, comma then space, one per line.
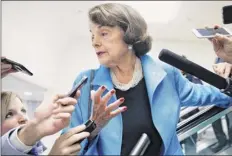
124, 108
103, 87
122, 100
112, 91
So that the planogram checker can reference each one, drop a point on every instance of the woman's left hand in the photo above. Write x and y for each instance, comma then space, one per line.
102, 113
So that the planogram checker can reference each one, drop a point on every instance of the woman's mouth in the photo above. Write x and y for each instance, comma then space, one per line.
99, 53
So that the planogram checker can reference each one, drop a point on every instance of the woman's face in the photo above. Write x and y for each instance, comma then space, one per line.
108, 44
16, 115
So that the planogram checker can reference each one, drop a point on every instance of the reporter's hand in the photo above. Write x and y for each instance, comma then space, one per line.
49, 119
223, 69
6, 69
102, 113
64, 145
222, 46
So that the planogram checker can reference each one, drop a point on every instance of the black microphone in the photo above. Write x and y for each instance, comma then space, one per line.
196, 70
141, 146
227, 14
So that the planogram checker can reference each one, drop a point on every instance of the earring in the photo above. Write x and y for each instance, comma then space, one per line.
130, 47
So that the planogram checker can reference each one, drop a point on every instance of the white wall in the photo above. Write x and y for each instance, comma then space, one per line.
200, 52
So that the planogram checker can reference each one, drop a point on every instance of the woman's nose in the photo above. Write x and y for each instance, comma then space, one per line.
96, 42
22, 120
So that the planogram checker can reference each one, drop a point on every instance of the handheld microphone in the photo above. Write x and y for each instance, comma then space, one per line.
141, 145
227, 14
196, 70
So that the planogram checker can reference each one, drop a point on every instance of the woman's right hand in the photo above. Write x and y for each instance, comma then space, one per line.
66, 143
102, 113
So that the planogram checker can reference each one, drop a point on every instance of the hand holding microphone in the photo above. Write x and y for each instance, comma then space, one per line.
223, 69
66, 143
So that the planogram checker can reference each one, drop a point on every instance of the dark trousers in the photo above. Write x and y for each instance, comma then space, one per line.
217, 127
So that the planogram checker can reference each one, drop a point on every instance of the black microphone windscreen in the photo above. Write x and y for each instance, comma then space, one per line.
227, 14
192, 68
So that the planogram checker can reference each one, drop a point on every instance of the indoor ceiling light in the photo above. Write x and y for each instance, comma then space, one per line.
28, 93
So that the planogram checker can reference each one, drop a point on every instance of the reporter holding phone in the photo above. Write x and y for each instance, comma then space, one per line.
6, 69
21, 136
223, 69
222, 46
132, 93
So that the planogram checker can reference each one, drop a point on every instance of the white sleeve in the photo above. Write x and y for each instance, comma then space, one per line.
15, 141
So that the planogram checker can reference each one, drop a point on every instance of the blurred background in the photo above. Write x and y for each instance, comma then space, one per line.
52, 40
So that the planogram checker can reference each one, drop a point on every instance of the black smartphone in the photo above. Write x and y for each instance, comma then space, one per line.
16, 66
78, 86
227, 14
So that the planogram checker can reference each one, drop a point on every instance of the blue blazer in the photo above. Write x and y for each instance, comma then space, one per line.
167, 89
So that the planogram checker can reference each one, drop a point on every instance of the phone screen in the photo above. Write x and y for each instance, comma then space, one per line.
212, 31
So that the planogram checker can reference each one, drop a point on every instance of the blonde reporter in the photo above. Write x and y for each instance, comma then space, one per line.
21, 136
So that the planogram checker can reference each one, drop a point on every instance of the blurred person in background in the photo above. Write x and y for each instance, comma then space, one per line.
222, 46
224, 70
127, 77
20, 136
190, 147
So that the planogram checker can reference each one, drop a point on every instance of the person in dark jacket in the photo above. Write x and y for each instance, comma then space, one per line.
217, 127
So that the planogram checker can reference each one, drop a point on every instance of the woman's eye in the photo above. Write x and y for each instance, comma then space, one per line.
104, 34
24, 110
9, 115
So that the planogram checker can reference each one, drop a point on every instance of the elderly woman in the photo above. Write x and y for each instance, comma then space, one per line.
21, 136
149, 93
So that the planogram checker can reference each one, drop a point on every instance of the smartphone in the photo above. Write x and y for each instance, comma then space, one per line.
78, 86
16, 66
227, 14
211, 32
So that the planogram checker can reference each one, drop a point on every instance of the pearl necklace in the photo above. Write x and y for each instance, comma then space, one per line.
137, 76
